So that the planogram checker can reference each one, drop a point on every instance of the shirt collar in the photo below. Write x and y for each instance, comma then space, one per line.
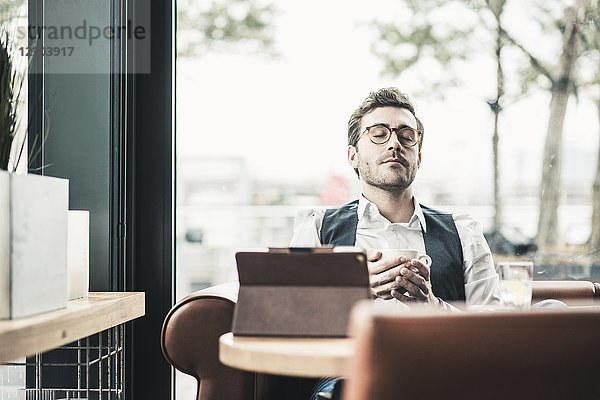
367, 207
419, 214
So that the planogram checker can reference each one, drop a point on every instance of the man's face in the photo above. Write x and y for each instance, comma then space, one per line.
388, 166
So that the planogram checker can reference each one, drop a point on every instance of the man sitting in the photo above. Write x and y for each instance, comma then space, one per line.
385, 139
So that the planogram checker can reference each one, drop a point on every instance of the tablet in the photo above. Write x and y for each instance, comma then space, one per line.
299, 291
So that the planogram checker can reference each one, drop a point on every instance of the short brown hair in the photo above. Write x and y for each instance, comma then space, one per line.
386, 97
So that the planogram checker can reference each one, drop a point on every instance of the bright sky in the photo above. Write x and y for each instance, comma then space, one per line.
288, 116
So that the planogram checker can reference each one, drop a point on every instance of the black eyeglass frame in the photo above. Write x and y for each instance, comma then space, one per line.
389, 135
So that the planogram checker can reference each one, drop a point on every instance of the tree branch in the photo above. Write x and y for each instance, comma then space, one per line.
537, 64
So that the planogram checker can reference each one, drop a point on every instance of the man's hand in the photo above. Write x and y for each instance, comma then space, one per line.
383, 273
414, 280
400, 278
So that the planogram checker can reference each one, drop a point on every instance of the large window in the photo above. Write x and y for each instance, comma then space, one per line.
261, 130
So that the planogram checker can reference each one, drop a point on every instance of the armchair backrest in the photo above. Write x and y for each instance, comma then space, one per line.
529, 355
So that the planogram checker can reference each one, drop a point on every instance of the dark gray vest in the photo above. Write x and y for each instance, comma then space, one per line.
442, 244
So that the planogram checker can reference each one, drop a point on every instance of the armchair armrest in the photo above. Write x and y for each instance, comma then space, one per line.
189, 341
569, 292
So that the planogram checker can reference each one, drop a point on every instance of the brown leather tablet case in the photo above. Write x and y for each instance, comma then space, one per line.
298, 292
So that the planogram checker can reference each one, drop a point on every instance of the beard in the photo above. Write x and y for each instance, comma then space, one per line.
394, 178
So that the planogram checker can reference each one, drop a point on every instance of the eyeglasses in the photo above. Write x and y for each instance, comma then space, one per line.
381, 134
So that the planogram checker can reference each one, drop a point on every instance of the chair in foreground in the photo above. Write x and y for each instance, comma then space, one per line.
546, 354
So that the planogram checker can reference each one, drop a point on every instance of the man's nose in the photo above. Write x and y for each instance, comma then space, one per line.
394, 143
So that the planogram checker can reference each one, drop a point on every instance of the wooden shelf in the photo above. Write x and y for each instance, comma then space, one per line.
82, 317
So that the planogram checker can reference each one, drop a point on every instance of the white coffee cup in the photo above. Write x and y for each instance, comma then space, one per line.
408, 253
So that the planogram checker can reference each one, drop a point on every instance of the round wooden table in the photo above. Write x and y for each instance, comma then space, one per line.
306, 357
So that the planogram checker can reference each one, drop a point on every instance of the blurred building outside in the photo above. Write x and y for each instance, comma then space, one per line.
223, 209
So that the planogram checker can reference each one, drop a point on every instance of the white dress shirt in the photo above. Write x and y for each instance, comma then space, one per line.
375, 231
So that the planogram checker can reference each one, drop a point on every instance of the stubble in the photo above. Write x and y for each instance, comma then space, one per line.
393, 178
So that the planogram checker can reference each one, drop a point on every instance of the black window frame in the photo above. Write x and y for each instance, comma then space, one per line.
150, 199
142, 181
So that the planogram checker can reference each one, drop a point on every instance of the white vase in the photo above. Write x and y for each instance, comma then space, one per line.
78, 254
33, 244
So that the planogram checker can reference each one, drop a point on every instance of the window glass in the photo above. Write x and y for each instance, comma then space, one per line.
262, 125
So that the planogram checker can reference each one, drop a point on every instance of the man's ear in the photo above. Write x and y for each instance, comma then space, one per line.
352, 157
419, 162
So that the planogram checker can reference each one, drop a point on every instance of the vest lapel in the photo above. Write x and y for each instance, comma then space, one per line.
339, 225
442, 244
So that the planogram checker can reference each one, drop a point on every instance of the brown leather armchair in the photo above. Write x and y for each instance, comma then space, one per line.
191, 330
190, 342
542, 354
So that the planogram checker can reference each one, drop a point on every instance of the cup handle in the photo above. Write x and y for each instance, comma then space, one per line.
425, 259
